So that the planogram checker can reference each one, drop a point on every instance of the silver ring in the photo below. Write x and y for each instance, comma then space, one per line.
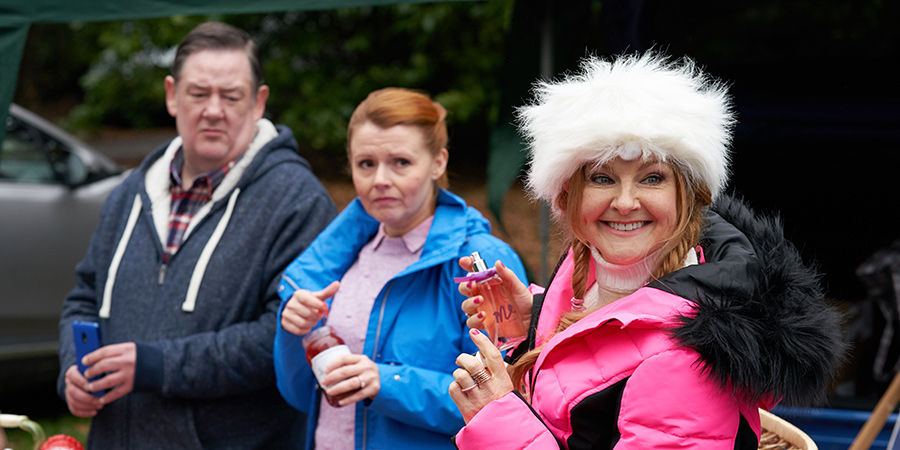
362, 384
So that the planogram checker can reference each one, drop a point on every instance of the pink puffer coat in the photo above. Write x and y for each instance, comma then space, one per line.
684, 362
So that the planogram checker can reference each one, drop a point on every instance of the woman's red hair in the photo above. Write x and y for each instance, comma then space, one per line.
398, 106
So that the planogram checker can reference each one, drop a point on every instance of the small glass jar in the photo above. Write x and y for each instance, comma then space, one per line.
322, 346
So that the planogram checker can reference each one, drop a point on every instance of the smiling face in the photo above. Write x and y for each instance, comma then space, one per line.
628, 208
394, 174
215, 108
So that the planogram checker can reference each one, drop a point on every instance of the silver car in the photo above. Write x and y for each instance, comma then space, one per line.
51, 189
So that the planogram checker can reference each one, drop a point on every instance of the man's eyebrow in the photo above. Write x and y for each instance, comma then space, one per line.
233, 90
204, 87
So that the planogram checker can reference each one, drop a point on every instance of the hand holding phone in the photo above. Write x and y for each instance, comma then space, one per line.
87, 339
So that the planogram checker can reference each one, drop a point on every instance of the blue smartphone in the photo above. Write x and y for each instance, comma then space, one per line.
87, 339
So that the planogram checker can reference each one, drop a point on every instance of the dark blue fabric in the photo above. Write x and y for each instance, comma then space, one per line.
205, 377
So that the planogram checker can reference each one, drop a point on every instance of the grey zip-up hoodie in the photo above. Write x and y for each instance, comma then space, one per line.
204, 323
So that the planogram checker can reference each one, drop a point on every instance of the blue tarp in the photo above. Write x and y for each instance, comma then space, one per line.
835, 429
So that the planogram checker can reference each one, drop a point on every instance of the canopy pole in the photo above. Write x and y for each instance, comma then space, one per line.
12, 45
546, 74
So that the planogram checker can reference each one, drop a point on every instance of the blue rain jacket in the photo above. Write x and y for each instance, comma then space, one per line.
416, 328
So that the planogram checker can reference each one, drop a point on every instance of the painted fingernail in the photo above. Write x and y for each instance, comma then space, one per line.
480, 316
470, 284
476, 300
474, 332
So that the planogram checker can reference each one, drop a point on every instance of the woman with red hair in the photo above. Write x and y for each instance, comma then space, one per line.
394, 250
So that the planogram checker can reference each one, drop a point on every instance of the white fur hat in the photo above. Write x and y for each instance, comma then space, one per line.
635, 106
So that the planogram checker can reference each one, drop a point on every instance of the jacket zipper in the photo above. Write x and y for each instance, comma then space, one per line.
374, 356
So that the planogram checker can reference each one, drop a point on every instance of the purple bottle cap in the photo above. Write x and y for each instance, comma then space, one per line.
481, 271
476, 276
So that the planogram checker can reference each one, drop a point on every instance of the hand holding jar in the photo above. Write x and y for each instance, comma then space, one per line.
345, 378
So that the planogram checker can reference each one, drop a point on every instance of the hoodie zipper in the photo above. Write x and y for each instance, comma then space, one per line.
162, 273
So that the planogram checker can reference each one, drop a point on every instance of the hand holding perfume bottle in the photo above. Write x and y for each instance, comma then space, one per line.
502, 321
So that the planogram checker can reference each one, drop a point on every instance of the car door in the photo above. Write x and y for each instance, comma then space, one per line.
47, 215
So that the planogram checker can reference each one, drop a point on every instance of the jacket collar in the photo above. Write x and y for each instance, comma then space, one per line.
452, 223
645, 308
449, 230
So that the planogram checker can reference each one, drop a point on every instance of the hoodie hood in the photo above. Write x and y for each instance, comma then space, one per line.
272, 147
276, 144
761, 324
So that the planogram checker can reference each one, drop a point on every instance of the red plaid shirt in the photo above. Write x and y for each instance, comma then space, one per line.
186, 203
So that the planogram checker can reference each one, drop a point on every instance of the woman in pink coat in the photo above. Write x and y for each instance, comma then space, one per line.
676, 312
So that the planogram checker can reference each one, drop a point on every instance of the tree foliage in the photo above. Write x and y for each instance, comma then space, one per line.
319, 66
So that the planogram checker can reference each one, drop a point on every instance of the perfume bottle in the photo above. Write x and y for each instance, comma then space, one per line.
501, 319
322, 346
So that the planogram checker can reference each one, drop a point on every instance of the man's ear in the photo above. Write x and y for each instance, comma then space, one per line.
171, 101
262, 94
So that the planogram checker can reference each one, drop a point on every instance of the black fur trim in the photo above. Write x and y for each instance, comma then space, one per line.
762, 325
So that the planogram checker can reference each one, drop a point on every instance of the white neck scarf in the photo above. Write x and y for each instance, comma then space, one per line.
614, 281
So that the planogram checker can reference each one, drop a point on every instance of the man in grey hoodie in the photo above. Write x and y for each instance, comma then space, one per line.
182, 271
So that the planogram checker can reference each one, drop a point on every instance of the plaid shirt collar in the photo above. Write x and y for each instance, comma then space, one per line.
211, 179
186, 202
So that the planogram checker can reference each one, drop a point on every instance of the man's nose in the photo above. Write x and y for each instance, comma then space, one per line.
213, 109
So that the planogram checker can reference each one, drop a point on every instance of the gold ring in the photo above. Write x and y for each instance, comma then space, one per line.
482, 375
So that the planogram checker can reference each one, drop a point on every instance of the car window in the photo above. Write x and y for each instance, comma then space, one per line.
23, 156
